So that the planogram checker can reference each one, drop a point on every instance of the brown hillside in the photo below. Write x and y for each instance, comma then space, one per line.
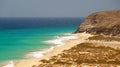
105, 22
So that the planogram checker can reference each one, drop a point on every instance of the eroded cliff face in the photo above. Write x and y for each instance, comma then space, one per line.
106, 22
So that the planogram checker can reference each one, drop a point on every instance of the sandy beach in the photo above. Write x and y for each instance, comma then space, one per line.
57, 50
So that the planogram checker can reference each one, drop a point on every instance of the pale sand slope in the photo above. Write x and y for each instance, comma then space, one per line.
57, 50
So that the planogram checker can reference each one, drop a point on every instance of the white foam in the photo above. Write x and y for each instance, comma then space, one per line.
67, 34
10, 64
38, 54
62, 40
35, 54
58, 41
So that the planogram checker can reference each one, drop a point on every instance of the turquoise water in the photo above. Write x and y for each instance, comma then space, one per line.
20, 37
16, 43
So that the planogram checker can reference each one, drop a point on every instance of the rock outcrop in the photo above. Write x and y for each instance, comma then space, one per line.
105, 22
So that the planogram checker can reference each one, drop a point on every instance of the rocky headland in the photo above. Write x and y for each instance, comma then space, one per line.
105, 22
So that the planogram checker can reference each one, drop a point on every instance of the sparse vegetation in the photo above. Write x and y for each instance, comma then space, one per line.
86, 53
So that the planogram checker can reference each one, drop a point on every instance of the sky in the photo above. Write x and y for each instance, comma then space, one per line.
55, 8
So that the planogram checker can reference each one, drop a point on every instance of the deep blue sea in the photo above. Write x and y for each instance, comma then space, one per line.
21, 36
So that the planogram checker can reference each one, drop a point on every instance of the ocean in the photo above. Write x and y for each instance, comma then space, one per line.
22, 38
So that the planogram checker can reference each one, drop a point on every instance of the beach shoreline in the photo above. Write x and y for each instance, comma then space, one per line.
57, 50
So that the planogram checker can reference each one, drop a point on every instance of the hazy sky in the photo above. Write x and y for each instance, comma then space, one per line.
54, 8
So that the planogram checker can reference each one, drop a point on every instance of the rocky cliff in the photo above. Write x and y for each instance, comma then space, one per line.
105, 22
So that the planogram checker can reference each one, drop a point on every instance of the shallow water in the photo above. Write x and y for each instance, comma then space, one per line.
17, 43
